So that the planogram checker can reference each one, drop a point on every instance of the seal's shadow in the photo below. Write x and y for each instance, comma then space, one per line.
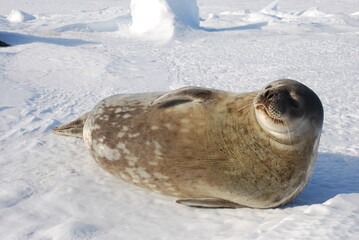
333, 174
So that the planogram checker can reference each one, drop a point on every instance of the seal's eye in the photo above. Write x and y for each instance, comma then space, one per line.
293, 103
267, 87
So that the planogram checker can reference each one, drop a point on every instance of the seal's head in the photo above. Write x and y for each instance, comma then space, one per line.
288, 110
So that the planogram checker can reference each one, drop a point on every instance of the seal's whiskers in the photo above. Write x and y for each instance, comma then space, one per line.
238, 110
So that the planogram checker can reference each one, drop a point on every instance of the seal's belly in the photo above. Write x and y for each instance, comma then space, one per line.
159, 150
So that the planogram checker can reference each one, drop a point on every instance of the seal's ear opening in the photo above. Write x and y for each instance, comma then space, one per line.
182, 96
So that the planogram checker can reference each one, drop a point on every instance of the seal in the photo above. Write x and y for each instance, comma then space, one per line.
206, 147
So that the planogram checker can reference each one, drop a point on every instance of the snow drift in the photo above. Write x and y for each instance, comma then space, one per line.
17, 16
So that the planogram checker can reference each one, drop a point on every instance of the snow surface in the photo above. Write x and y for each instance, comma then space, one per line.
77, 52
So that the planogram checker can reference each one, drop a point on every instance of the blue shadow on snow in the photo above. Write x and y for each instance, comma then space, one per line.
19, 39
237, 28
333, 174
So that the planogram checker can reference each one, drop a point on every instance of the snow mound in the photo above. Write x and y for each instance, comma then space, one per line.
272, 19
17, 16
314, 12
159, 19
111, 25
272, 7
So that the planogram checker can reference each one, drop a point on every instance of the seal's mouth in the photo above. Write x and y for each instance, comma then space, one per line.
263, 108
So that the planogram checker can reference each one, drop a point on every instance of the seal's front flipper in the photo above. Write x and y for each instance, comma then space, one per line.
183, 95
209, 203
72, 129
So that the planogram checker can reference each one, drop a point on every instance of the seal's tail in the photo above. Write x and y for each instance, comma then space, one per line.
72, 129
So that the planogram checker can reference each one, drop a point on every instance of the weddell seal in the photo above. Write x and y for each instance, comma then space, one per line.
208, 148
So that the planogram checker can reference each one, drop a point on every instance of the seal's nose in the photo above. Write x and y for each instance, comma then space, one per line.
282, 97
270, 95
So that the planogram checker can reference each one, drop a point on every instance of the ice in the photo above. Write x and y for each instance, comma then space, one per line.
158, 19
271, 8
186, 12
313, 12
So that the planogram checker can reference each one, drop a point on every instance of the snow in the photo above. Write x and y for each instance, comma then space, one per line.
74, 53
152, 17
17, 16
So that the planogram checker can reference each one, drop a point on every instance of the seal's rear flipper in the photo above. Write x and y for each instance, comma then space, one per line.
209, 203
4, 44
72, 129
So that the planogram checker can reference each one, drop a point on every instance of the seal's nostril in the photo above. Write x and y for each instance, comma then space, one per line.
266, 94
269, 95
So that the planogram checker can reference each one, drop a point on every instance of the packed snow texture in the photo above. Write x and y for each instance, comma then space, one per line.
77, 52
159, 18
